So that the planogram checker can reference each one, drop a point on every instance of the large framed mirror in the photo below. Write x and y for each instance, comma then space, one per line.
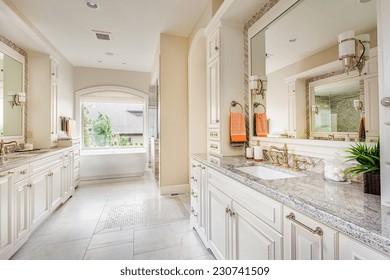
12, 91
296, 51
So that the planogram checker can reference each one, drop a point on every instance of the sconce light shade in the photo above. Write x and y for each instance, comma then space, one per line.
17, 99
315, 109
346, 44
354, 51
253, 82
258, 86
358, 105
22, 97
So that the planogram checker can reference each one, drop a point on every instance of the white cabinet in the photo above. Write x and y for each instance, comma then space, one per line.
198, 191
296, 109
55, 183
353, 250
234, 231
371, 100
22, 209
307, 239
252, 238
213, 75
6, 212
42, 100
39, 199
224, 84
218, 226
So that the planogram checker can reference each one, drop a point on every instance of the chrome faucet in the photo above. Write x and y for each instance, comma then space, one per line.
284, 152
3, 144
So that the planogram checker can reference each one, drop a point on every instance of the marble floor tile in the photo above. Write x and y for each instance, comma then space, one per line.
121, 220
71, 250
111, 238
115, 252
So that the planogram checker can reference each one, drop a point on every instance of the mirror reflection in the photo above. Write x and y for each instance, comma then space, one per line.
298, 56
11, 85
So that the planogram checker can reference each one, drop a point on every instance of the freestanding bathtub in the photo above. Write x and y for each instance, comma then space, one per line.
112, 163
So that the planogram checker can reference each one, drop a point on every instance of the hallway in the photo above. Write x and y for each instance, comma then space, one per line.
125, 221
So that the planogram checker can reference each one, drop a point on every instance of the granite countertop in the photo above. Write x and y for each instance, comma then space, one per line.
344, 207
17, 159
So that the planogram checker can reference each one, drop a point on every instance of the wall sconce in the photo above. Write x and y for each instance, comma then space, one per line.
358, 105
17, 99
354, 51
258, 86
315, 109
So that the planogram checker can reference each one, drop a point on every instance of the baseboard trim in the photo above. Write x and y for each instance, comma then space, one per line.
173, 189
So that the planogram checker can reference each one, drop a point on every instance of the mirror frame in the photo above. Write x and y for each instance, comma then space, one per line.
307, 147
11, 49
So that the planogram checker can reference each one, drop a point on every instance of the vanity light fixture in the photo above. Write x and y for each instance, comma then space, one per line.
354, 51
258, 86
17, 99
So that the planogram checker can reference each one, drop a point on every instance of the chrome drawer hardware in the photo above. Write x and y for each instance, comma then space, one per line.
202, 167
22, 172
317, 230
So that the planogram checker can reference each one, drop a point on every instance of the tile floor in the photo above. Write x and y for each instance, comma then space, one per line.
126, 220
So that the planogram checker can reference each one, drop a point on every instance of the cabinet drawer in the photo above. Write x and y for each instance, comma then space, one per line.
351, 249
195, 167
268, 210
214, 134
22, 172
214, 160
45, 163
215, 147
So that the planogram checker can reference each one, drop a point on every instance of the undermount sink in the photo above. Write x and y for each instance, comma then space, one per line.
266, 173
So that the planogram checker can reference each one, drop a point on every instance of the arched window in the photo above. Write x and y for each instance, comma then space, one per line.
112, 117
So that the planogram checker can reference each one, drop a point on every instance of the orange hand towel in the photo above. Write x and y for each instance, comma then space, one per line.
237, 128
261, 124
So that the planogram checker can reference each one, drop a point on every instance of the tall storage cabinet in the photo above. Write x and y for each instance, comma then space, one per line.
224, 84
42, 100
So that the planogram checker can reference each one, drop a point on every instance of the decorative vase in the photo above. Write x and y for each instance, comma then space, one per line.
372, 183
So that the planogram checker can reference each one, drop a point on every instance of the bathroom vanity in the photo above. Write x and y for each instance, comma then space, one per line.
299, 216
32, 186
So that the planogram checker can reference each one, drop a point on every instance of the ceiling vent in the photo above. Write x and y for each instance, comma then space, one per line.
101, 35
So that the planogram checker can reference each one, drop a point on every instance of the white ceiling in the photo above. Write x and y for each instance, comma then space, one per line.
315, 24
135, 27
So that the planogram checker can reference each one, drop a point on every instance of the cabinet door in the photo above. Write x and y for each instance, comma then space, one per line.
353, 250
302, 243
371, 106
214, 94
218, 223
203, 191
213, 45
56, 187
252, 238
6, 213
22, 209
39, 199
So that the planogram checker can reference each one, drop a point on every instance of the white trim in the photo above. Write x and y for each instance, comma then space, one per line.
195, 40
127, 90
174, 189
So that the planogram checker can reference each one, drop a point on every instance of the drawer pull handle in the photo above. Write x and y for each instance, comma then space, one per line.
213, 146
29, 186
193, 166
232, 214
217, 121
317, 230
22, 172
203, 167
227, 210
194, 194
193, 212
216, 48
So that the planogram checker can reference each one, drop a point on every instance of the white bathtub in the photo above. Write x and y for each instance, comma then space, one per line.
112, 164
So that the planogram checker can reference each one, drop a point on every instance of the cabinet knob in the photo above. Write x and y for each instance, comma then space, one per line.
29, 186
386, 102
216, 48
203, 167
217, 121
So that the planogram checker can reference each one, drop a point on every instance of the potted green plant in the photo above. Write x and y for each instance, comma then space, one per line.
368, 159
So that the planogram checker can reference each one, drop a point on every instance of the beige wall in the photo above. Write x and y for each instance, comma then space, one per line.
85, 77
174, 114
65, 89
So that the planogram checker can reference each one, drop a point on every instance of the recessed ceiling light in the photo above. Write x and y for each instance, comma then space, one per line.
292, 40
92, 5
109, 53
364, 1
99, 61
124, 63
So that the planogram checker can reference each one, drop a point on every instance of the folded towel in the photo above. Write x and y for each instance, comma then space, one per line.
261, 127
362, 129
237, 128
